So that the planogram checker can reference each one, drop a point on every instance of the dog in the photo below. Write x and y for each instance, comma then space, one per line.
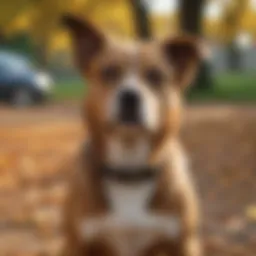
130, 190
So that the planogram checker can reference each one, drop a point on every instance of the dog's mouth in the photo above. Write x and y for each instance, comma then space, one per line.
131, 112
130, 122
127, 129
131, 126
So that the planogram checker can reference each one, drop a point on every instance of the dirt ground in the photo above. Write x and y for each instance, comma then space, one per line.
36, 143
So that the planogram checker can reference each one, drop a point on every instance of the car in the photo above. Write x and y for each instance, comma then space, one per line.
21, 84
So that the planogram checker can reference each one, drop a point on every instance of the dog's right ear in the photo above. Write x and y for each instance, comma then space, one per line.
87, 41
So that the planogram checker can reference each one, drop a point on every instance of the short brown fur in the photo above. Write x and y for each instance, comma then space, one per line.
175, 193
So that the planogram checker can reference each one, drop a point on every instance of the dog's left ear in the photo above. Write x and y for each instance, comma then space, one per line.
184, 56
87, 40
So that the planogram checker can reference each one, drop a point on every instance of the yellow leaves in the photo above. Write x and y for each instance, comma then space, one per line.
233, 19
59, 41
33, 152
9, 10
84, 8
248, 22
164, 25
114, 17
20, 23
237, 17
46, 16
34, 143
251, 213
41, 19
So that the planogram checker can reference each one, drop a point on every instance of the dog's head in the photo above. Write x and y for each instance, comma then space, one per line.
133, 86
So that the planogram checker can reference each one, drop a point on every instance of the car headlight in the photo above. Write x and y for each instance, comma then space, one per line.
43, 81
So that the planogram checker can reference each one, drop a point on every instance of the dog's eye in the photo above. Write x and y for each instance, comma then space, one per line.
154, 76
111, 73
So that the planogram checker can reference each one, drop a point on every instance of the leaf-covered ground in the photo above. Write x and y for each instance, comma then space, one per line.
36, 143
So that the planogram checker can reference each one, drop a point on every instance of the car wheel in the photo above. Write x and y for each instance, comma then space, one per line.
22, 98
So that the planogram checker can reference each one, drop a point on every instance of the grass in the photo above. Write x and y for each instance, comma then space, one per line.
69, 90
227, 88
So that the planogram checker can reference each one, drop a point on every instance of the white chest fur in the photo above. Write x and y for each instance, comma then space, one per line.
130, 208
130, 226
129, 201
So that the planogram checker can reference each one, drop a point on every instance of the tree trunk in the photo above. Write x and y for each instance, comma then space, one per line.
191, 15
191, 18
141, 18
231, 24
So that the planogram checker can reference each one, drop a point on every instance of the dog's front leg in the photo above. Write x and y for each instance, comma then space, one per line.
188, 243
189, 213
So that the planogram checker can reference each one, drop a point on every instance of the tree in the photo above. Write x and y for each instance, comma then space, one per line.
232, 20
10, 9
190, 19
44, 22
141, 18
191, 15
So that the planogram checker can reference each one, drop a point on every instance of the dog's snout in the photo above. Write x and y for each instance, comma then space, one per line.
129, 107
129, 99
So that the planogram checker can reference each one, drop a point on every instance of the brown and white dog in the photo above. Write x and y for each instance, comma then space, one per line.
131, 193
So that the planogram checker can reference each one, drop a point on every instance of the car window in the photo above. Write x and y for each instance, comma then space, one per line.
4, 71
13, 64
14, 67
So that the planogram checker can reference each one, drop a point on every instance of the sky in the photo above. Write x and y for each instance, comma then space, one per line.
163, 6
212, 10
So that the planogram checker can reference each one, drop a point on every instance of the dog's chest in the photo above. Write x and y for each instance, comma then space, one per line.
130, 226
129, 201
130, 207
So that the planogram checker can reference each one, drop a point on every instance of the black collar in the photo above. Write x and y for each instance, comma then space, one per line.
130, 175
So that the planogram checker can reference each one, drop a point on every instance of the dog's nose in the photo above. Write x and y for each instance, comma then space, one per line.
129, 107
